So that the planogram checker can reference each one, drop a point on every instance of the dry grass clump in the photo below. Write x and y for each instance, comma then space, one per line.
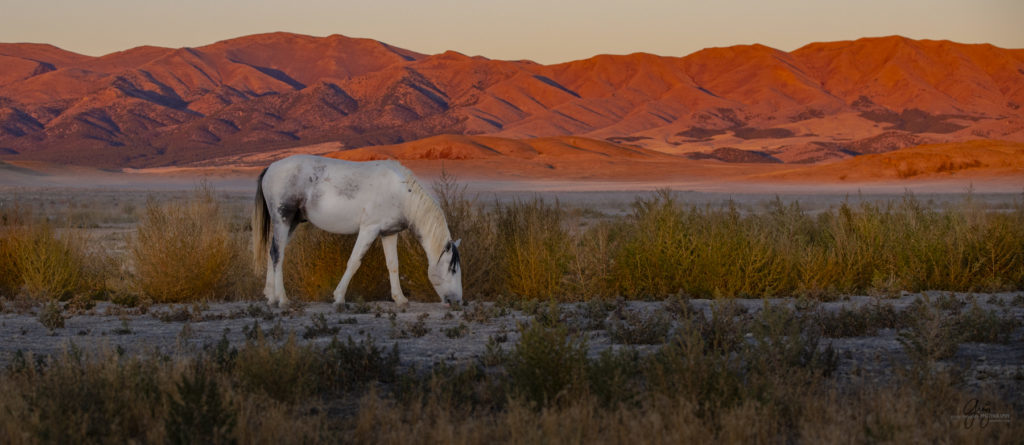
475, 226
315, 260
189, 251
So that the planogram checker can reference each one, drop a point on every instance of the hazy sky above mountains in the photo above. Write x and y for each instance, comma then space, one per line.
547, 31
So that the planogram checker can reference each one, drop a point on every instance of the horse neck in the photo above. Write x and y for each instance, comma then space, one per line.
428, 223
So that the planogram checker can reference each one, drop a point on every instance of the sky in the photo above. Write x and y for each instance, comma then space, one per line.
546, 31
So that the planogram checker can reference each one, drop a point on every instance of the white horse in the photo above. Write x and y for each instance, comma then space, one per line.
368, 198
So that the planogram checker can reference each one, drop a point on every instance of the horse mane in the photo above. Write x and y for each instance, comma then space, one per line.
426, 218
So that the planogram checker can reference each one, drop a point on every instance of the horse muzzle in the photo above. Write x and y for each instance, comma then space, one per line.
452, 300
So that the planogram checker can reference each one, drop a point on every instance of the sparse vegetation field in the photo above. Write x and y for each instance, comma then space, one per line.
862, 321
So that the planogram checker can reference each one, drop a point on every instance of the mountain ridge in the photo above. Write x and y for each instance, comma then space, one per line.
152, 106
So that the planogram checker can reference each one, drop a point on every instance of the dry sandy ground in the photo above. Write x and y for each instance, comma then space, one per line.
187, 329
985, 166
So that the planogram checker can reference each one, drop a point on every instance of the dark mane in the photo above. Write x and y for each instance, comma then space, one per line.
453, 266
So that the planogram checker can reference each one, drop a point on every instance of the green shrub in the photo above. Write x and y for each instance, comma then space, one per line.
456, 331
930, 335
350, 364
638, 328
614, 377
286, 373
199, 413
51, 316
319, 327
690, 369
546, 364
861, 321
979, 325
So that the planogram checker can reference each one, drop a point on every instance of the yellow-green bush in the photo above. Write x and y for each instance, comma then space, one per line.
664, 248
533, 248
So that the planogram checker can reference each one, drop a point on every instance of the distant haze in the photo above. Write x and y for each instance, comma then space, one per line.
547, 31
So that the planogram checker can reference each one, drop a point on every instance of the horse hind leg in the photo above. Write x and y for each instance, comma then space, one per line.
274, 289
363, 241
390, 245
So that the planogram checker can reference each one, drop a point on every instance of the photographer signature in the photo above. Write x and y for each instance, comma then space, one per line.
975, 411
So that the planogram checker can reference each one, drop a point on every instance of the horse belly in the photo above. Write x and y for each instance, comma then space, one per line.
334, 215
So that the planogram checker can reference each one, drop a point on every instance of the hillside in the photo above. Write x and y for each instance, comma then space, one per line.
152, 106
975, 159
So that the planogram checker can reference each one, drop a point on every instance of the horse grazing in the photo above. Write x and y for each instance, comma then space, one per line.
369, 198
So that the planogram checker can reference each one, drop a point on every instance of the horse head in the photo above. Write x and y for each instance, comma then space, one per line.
446, 274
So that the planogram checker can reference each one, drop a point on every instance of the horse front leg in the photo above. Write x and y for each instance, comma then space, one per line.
363, 241
390, 244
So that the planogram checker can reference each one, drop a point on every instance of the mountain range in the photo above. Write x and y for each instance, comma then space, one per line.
153, 106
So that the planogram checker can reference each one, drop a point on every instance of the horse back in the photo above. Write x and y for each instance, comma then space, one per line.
336, 195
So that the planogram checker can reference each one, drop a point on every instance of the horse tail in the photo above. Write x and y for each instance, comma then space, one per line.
260, 226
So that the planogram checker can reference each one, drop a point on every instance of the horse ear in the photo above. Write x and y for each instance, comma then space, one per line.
457, 242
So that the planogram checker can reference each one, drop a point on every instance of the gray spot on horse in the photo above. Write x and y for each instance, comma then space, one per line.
348, 189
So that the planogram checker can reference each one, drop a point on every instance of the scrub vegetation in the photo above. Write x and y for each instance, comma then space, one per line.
674, 375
